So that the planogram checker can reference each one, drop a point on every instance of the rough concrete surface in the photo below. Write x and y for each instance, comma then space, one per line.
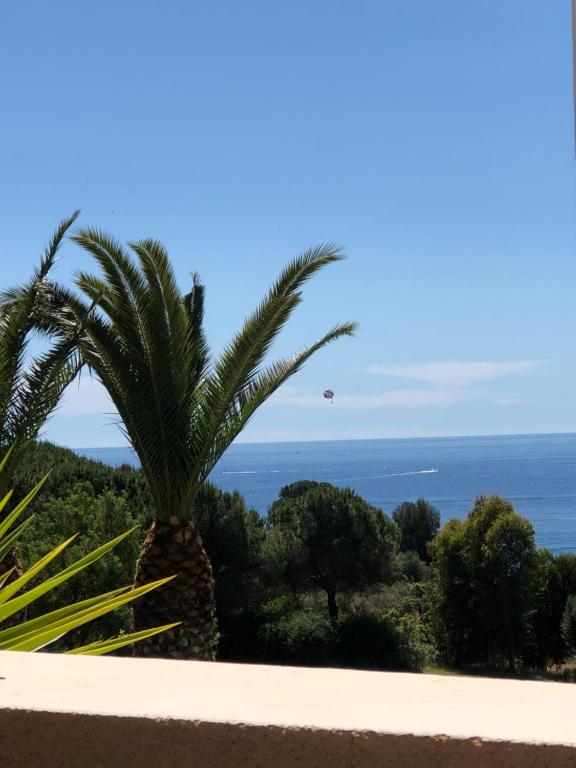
107, 713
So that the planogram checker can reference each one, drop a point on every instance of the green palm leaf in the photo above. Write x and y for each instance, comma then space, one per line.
146, 344
31, 387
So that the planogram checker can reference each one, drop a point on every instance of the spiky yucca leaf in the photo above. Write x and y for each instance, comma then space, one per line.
39, 632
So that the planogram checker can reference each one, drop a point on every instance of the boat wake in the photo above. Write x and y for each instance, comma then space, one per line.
257, 471
432, 471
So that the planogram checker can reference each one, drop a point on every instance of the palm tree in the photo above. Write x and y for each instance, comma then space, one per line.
178, 409
31, 388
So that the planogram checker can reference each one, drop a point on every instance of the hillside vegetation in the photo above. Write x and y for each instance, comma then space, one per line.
325, 578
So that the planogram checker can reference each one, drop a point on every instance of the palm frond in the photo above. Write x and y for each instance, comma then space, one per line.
30, 389
199, 349
125, 288
241, 359
145, 341
40, 274
259, 389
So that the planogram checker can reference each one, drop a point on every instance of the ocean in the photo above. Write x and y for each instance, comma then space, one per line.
536, 472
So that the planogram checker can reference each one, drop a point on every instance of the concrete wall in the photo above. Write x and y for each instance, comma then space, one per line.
72, 711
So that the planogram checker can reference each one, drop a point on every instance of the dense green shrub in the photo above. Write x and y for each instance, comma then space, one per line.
381, 641
412, 567
294, 635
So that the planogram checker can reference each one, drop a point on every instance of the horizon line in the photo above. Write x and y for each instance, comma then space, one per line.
346, 439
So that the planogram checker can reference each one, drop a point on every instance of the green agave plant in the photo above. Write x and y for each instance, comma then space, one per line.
37, 633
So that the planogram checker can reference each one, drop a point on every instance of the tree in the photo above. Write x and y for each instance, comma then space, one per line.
95, 518
180, 411
418, 522
565, 564
30, 387
232, 536
330, 539
487, 572
569, 624
556, 583
46, 628
547, 644
299, 488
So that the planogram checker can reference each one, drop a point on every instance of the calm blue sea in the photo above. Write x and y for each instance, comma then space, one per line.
537, 472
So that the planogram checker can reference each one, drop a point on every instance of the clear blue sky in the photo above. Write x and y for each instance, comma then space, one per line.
433, 140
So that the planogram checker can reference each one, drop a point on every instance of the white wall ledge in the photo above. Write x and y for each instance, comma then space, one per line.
116, 713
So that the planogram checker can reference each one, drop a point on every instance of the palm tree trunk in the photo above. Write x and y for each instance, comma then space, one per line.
12, 560
175, 547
